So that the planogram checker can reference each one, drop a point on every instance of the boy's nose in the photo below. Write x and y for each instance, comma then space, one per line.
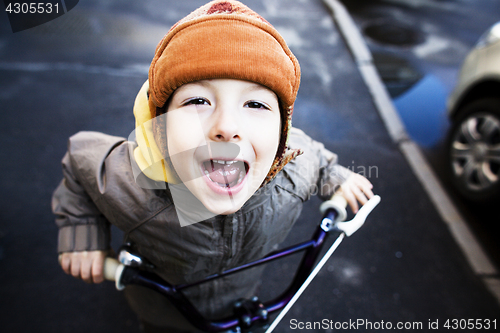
226, 126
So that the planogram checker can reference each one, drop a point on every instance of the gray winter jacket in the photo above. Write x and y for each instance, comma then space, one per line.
99, 188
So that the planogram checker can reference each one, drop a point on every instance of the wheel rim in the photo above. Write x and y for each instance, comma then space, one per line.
475, 152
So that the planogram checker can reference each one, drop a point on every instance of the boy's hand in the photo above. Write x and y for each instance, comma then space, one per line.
356, 188
85, 265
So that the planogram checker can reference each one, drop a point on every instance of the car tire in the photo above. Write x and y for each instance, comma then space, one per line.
474, 150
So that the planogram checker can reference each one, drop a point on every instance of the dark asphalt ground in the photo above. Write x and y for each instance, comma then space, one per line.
429, 40
82, 71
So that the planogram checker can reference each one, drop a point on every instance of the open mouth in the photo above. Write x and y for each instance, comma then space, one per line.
223, 173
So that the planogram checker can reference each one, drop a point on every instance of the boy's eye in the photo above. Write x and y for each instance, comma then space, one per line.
196, 101
256, 105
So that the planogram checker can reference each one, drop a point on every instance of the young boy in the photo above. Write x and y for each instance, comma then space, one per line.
213, 178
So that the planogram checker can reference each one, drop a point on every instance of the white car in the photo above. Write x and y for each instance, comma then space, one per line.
474, 109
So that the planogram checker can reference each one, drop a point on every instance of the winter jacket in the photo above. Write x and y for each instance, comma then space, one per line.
99, 188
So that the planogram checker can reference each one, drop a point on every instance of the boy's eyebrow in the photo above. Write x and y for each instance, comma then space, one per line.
253, 85
207, 83
204, 83
259, 87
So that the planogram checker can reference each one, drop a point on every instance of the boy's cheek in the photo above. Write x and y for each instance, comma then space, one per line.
259, 171
184, 131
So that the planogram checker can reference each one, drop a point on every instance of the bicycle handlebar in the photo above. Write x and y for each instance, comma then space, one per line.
250, 311
113, 270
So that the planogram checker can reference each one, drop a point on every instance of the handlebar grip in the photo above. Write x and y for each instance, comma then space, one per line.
110, 267
339, 199
113, 270
338, 203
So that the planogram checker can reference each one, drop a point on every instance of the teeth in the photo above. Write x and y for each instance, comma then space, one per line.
224, 162
208, 175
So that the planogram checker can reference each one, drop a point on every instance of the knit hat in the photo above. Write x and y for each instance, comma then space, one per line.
226, 40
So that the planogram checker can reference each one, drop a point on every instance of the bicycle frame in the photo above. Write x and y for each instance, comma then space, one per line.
247, 312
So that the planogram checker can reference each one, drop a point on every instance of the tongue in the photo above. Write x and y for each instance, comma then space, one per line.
223, 173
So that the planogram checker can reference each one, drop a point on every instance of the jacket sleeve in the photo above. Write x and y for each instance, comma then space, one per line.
82, 227
317, 169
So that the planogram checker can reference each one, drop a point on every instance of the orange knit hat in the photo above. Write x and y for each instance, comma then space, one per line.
225, 39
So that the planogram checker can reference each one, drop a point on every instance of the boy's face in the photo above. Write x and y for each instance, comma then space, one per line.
240, 122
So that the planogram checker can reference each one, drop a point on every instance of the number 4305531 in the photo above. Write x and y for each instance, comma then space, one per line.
471, 324
32, 8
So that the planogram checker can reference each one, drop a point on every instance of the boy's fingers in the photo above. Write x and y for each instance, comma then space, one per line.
88, 266
368, 192
86, 270
366, 187
359, 194
65, 261
365, 183
362, 189
75, 268
351, 200
97, 269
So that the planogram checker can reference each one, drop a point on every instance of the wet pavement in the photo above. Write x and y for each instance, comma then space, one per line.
420, 45
419, 65
82, 72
